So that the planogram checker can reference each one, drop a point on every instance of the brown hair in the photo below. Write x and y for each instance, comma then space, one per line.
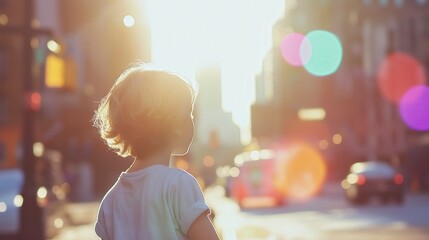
142, 108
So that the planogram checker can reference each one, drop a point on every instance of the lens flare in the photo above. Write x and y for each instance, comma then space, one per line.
296, 49
414, 109
304, 172
128, 21
397, 74
326, 53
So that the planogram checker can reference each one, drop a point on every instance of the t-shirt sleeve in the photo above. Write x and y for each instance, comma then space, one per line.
99, 228
189, 201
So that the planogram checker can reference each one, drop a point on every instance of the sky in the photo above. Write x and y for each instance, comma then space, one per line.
234, 34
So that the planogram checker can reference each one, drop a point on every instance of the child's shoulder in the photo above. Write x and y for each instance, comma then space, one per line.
162, 174
168, 171
180, 176
179, 172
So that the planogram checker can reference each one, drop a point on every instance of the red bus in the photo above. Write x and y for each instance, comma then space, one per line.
296, 172
256, 178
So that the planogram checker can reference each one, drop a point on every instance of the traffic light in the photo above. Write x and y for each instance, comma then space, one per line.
60, 72
54, 71
33, 101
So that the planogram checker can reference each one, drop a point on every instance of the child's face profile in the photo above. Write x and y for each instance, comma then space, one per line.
184, 135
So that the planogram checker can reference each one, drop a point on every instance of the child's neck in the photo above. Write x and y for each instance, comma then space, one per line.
159, 158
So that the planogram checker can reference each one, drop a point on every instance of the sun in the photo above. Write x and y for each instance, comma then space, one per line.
234, 34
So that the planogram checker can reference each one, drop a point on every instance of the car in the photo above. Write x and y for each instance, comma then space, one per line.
51, 195
254, 179
10, 201
370, 179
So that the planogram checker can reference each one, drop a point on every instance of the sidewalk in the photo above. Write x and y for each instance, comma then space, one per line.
79, 219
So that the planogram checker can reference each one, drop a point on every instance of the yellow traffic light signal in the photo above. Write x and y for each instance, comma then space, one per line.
60, 72
54, 71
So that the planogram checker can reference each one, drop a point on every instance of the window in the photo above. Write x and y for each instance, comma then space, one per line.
2, 152
4, 63
3, 110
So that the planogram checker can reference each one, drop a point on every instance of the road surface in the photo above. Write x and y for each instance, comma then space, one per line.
325, 217
328, 216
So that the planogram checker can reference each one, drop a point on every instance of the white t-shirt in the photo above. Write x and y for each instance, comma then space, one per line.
156, 202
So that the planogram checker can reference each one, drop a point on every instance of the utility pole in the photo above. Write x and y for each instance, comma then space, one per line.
32, 223
31, 219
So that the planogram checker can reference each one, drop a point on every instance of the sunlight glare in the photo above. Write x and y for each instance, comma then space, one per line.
304, 172
231, 34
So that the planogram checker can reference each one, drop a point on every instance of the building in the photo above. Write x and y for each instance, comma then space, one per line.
12, 98
357, 113
94, 44
215, 131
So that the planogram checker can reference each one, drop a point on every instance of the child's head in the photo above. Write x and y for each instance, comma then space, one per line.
147, 110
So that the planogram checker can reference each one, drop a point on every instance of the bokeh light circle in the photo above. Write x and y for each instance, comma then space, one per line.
397, 74
326, 53
129, 21
414, 108
303, 172
291, 51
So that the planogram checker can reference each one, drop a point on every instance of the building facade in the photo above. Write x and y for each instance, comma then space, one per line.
11, 58
368, 124
93, 37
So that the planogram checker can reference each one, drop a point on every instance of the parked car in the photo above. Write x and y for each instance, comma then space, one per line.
51, 195
373, 179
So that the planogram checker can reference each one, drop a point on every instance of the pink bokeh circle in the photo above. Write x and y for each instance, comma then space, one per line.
295, 49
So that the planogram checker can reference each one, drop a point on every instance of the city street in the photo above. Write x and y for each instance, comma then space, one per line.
253, 98
327, 216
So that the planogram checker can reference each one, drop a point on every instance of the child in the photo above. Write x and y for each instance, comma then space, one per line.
148, 115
